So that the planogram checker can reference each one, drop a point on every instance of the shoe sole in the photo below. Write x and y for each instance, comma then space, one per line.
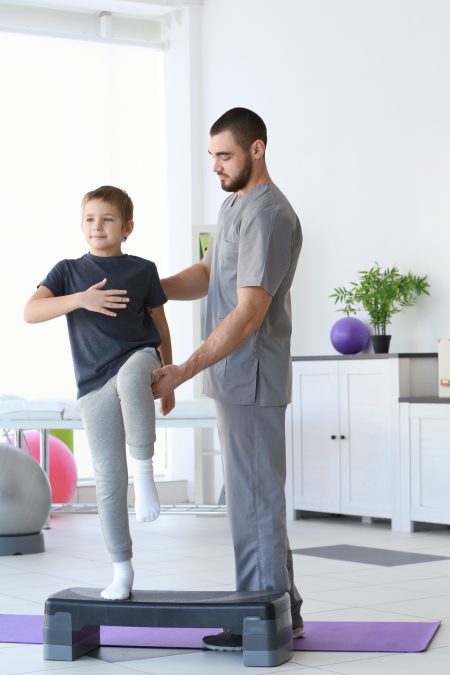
296, 634
222, 649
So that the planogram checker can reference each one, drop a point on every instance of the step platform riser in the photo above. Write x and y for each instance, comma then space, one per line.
73, 618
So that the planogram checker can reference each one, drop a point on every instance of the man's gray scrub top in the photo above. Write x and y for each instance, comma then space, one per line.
257, 243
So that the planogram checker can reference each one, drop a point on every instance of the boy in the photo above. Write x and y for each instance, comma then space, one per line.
118, 334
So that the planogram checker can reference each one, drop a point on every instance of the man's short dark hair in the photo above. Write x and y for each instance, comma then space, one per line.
245, 125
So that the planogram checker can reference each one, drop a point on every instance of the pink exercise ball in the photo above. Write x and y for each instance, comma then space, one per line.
63, 469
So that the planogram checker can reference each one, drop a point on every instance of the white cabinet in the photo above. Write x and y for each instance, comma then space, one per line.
343, 432
343, 437
426, 459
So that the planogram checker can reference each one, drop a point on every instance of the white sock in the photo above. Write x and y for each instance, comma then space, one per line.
122, 583
145, 494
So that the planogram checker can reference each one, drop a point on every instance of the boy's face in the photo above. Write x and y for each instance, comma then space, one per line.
103, 228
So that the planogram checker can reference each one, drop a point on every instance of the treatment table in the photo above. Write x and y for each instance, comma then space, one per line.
19, 414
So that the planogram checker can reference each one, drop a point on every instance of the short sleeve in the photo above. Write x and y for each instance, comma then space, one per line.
265, 246
155, 296
55, 280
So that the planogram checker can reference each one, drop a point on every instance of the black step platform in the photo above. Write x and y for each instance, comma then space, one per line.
73, 618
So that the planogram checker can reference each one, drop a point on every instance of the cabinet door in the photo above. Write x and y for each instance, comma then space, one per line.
430, 463
367, 399
315, 420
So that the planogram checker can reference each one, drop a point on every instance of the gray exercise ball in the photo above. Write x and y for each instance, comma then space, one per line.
25, 494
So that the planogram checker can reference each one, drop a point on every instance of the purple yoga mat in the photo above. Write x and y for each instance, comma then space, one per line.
320, 636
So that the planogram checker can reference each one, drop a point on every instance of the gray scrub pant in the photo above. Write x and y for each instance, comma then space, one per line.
120, 413
252, 439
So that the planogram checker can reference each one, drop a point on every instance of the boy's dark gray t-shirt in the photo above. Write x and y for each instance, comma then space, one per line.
101, 344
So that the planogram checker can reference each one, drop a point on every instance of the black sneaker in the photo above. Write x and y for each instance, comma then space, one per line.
226, 641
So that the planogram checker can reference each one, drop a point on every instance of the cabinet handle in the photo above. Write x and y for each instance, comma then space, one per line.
333, 437
341, 437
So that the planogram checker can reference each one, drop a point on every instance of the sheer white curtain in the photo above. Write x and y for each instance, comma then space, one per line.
73, 116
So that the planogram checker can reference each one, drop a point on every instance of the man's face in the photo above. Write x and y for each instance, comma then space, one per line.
231, 163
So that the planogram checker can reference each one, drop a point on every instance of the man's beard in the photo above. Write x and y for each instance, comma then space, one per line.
242, 179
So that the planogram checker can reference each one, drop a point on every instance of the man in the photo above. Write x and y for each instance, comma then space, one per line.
247, 274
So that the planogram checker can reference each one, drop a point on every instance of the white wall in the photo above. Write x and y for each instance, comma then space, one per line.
182, 64
356, 99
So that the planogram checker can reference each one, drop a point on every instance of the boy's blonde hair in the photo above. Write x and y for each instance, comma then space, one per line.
112, 195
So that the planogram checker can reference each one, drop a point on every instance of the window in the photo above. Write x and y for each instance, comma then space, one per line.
74, 115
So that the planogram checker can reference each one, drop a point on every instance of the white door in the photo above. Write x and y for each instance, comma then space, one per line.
315, 422
430, 463
367, 400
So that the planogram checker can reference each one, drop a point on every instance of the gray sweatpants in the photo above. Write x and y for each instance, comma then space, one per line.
252, 440
120, 413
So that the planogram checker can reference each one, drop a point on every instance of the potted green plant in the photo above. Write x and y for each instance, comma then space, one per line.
381, 293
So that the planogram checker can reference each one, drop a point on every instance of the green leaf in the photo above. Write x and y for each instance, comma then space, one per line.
381, 293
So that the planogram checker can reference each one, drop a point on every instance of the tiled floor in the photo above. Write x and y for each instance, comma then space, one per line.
194, 553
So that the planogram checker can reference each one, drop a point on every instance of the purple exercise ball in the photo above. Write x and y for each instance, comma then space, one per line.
349, 335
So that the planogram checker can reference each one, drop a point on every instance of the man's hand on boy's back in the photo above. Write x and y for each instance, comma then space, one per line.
96, 300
